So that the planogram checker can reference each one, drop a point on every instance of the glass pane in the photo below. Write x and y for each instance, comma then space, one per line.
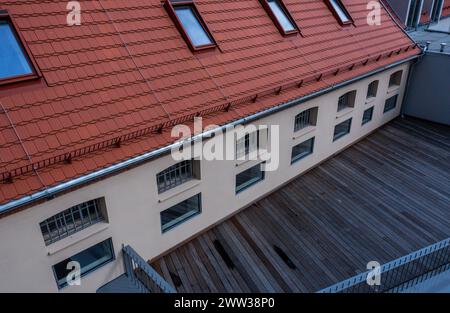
302, 150
342, 129
192, 26
390, 104
89, 260
13, 60
340, 11
180, 212
249, 177
367, 117
281, 16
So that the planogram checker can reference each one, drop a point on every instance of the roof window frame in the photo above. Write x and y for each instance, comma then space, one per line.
266, 6
35, 73
170, 6
336, 15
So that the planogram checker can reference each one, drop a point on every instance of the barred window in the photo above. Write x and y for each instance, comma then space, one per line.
395, 79
305, 119
373, 89
251, 142
177, 174
73, 220
347, 100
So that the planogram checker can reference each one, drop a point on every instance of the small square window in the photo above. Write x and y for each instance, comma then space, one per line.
339, 11
14, 61
367, 116
191, 25
249, 177
390, 104
342, 129
280, 16
302, 150
181, 212
89, 260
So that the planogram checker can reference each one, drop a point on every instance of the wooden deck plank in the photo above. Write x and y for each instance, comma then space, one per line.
382, 198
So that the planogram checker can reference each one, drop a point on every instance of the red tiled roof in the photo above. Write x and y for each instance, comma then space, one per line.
446, 8
126, 72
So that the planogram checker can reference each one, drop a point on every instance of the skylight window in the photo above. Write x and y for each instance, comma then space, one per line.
14, 62
340, 11
280, 16
190, 23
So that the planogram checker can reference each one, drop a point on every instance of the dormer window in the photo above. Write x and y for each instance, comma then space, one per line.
281, 16
15, 64
190, 23
339, 11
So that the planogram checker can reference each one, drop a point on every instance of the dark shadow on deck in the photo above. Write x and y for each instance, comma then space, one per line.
384, 197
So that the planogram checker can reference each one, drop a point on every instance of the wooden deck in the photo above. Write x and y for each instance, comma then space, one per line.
384, 197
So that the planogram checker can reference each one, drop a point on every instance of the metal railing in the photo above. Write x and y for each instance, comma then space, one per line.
400, 274
142, 275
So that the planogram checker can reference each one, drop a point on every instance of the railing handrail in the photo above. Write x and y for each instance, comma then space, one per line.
149, 270
352, 281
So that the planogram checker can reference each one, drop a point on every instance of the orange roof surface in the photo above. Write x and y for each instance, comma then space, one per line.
446, 8
125, 75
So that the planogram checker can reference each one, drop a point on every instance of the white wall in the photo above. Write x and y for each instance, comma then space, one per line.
134, 205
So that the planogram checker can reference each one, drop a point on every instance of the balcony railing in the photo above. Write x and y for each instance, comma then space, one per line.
142, 275
400, 274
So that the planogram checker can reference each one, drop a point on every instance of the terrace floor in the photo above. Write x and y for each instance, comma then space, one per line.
382, 198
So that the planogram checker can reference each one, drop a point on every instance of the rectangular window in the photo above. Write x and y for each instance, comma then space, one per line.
14, 61
340, 11
249, 177
89, 259
177, 174
190, 24
181, 212
390, 104
281, 15
302, 150
196, 32
73, 220
305, 119
367, 116
342, 129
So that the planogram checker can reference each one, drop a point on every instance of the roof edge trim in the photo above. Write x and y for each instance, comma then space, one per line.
113, 169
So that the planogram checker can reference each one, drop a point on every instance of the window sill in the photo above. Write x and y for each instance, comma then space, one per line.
393, 89
370, 100
75, 238
344, 112
253, 156
303, 132
169, 194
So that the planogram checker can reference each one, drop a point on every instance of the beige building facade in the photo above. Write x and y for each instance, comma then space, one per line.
133, 204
